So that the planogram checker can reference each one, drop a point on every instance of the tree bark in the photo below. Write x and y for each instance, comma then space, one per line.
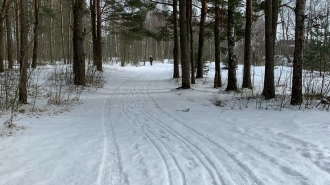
35, 34
62, 33
296, 96
51, 35
2, 18
98, 36
9, 39
217, 76
275, 12
70, 45
23, 51
17, 29
232, 63
176, 73
247, 47
93, 30
269, 88
201, 40
78, 42
184, 45
191, 41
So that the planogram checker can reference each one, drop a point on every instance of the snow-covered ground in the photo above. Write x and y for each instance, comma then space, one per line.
140, 130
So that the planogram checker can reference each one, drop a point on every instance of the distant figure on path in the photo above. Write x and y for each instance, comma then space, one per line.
151, 59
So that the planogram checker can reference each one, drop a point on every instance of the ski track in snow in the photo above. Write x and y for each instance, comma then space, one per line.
187, 154
133, 131
110, 167
195, 150
236, 172
288, 145
162, 151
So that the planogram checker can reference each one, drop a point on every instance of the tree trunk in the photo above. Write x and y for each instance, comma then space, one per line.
69, 45
93, 30
217, 76
296, 96
2, 29
247, 47
78, 42
191, 41
51, 35
269, 88
176, 73
35, 34
275, 11
62, 33
201, 41
232, 63
9, 39
23, 51
184, 45
98, 36
2, 52
17, 29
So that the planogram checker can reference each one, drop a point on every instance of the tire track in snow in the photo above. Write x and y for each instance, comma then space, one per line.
242, 173
163, 152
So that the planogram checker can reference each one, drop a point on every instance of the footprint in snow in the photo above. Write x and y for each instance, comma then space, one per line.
191, 164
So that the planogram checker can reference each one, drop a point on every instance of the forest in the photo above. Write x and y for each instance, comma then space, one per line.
82, 35
237, 92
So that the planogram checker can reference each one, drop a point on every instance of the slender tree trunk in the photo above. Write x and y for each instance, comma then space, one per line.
184, 45
296, 96
23, 52
201, 40
217, 77
93, 30
2, 18
269, 88
176, 73
9, 38
78, 42
99, 35
70, 45
2, 52
232, 63
17, 29
275, 11
51, 35
35, 34
191, 41
247, 47
62, 33
117, 46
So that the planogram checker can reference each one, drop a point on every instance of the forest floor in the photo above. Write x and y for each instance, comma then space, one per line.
139, 129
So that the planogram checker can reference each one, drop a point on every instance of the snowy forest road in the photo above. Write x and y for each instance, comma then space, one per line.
151, 143
140, 130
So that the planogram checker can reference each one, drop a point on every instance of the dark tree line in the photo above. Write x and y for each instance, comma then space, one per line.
186, 24
271, 12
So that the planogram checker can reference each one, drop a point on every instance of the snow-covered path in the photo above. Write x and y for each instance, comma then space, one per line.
140, 130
